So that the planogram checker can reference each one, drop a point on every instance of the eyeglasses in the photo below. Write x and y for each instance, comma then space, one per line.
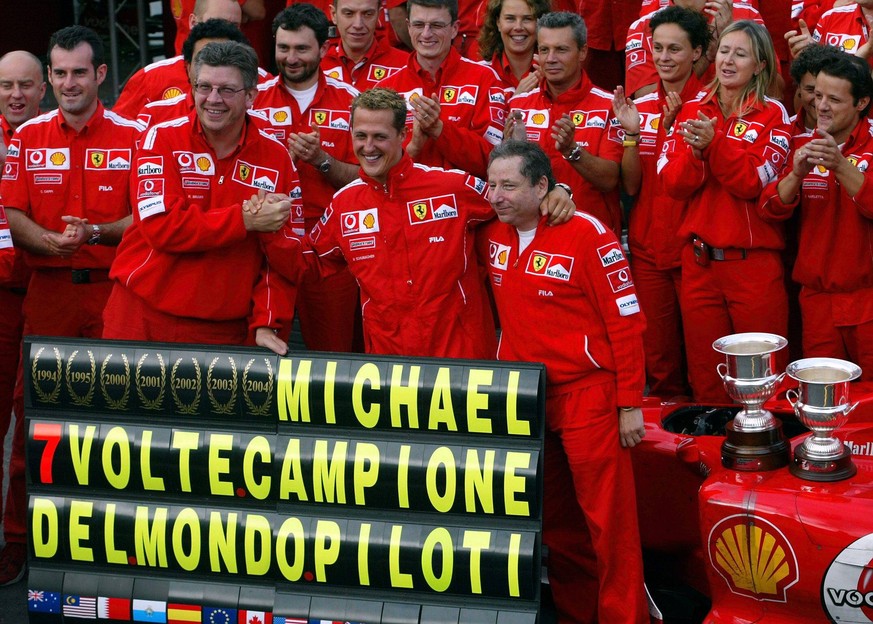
225, 93
434, 26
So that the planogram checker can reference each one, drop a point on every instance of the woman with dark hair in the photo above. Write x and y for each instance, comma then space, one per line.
725, 147
679, 38
508, 40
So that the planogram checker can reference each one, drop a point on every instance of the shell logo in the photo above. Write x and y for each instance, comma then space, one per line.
203, 163
57, 159
369, 220
821, 168
334, 74
171, 93
280, 116
753, 557
655, 123
849, 44
501, 257
176, 8
538, 118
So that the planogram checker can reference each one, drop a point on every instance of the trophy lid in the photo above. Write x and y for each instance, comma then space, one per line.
749, 343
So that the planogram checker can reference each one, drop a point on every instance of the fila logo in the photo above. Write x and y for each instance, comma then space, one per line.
545, 293
436, 239
104, 189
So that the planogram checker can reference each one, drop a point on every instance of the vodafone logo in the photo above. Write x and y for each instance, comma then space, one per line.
847, 590
350, 220
185, 159
35, 157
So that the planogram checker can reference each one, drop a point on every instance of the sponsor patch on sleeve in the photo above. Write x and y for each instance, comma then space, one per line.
610, 254
620, 280
5, 239
10, 171
150, 187
627, 305
151, 206
477, 184
150, 166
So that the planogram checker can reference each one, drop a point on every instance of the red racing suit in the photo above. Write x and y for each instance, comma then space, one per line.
843, 27
656, 253
409, 244
590, 108
380, 61
834, 265
472, 109
326, 307
575, 277
188, 253
639, 62
736, 284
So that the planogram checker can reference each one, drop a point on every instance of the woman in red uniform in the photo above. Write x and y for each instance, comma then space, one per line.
679, 37
508, 39
725, 147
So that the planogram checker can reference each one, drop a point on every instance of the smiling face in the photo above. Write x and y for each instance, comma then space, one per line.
517, 25
735, 64
838, 113
672, 53
21, 88
431, 30
561, 59
222, 117
356, 22
75, 82
298, 57
515, 200
377, 143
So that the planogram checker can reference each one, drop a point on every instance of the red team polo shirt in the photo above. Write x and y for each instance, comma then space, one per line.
188, 224
330, 111
590, 108
380, 61
473, 110
52, 171
843, 27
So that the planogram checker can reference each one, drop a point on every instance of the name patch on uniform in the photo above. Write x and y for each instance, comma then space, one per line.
102, 159
151, 206
620, 280
57, 159
48, 179
499, 255
150, 166
545, 264
192, 162
192, 183
255, 176
610, 254
362, 243
432, 209
360, 222
150, 188
627, 305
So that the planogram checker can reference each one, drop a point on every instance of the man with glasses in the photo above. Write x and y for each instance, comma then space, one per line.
193, 266
65, 188
456, 107
309, 112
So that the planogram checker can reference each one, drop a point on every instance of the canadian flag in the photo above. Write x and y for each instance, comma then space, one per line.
255, 617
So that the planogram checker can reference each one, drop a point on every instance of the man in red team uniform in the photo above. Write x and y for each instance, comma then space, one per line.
21, 88
194, 265
65, 191
309, 112
829, 181
570, 118
361, 57
574, 277
168, 78
457, 107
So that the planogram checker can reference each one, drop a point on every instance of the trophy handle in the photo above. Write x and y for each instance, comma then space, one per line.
792, 396
721, 368
850, 408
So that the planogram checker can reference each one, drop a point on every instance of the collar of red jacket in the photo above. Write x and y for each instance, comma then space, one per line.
571, 96
399, 172
446, 67
93, 120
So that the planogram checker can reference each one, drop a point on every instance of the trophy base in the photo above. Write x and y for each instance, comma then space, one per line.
816, 469
753, 451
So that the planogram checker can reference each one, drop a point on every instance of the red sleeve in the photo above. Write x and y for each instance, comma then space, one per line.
639, 66
7, 251
273, 301
468, 148
133, 97
770, 205
681, 172
744, 167
168, 221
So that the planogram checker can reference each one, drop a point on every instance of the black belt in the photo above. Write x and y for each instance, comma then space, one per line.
89, 276
717, 253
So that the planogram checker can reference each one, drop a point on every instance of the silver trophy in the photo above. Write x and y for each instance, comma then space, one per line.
754, 437
821, 403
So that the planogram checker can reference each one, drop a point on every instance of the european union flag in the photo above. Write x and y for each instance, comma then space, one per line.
219, 615
40, 601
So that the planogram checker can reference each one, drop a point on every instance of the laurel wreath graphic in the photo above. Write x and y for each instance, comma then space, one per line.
50, 397
217, 406
258, 410
195, 404
147, 403
77, 399
116, 404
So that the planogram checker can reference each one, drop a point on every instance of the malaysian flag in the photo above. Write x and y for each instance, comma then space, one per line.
80, 607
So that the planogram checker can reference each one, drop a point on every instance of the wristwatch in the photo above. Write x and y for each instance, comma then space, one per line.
575, 154
95, 234
325, 166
